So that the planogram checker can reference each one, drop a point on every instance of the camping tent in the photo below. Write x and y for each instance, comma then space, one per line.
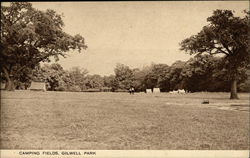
38, 86
156, 90
148, 91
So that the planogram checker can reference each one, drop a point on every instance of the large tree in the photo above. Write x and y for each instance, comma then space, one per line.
30, 36
227, 35
175, 75
157, 77
124, 76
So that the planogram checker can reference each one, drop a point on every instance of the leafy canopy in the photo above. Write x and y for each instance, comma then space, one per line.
225, 34
29, 36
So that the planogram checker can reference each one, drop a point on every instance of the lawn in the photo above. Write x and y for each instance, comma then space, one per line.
103, 121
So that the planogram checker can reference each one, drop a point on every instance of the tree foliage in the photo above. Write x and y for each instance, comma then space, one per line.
29, 36
200, 73
124, 76
52, 75
226, 35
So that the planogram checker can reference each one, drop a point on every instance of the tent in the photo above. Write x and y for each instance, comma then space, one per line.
156, 90
148, 91
38, 86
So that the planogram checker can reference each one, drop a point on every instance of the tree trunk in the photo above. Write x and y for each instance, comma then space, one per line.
234, 94
9, 86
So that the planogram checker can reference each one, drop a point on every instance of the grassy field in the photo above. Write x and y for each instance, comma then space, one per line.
68, 120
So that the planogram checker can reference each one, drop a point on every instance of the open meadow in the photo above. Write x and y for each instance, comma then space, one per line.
103, 121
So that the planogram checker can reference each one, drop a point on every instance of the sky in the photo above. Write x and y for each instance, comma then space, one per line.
136, 34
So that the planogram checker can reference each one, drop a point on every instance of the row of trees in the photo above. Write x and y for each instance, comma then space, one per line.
58, 79
200, 73
30, 36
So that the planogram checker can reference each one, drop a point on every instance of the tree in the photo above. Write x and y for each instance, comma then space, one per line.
226, 35
175, 75
30, 36
76, 78
94, 81
23, 78
156, 76
200, 74
140, 75
54, 74
124, 76
162, 71
51, 74
108, 80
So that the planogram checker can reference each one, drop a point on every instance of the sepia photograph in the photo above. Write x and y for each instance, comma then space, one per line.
157, 76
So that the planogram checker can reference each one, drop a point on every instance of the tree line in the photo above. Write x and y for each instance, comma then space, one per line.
30, 36
200, 73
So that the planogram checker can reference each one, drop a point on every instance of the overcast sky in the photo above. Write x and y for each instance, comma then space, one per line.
133, 33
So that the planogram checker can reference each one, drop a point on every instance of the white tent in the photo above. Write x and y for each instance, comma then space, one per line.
182, 91
148, 91
156, 90
38, 86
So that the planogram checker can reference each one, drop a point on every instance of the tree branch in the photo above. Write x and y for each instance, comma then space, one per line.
229, 51
219, 49
46, 56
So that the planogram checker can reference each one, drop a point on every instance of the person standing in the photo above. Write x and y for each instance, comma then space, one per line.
132, 90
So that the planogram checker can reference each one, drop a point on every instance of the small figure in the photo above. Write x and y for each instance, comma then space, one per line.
131, 90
